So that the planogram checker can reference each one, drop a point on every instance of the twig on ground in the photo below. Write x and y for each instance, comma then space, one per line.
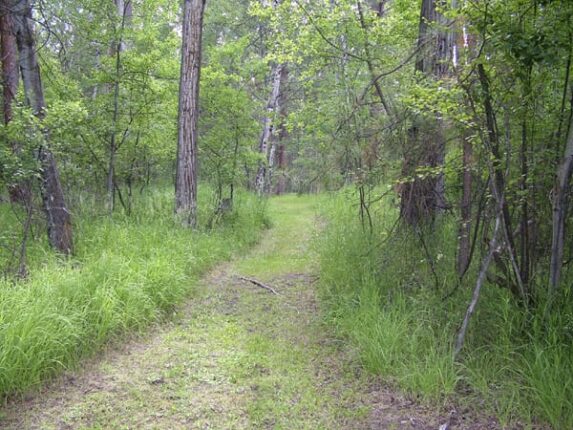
259, 284
313, 278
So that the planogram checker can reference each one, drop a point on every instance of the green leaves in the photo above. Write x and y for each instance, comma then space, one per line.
431, 97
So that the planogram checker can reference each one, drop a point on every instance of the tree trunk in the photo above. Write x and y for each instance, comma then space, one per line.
525, 244
124, 10
464, 245
498, 180
423, 197
560, 206
186, 177
380, 7
9, 64
459, 45
265, 143
482, 276
282, 165
58, 217
19, 192
277, 155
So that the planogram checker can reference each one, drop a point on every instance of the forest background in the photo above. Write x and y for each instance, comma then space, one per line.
446, 124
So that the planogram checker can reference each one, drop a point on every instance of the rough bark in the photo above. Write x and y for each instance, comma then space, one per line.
19, 192
59, 223
423, 197
265, 143
9, 64
434, 43
186, 176
277, 155
560, 206
380, 7
282, 165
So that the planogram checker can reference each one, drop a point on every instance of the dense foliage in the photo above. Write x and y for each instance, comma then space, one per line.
395, 295
456, 114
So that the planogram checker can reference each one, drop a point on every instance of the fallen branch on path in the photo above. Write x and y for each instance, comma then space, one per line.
259, 284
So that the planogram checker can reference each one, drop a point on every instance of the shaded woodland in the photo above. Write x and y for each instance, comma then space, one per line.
443, 127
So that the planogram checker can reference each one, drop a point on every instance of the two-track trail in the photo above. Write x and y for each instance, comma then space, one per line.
236, 356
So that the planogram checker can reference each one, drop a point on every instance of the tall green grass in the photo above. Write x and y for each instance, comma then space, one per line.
127, 273
382, 295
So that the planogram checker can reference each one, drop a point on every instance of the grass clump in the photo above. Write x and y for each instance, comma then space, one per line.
127, 273
384, 291
374, 298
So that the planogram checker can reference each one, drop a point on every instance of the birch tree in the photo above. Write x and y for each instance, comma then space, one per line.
266, 144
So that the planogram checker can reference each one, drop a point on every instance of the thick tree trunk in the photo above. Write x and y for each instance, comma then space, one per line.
19, 192
380, 7
265, 143
560, 206
434, 43
282, 165
58, 217
9, 64
277, 155
422, 198
186, 178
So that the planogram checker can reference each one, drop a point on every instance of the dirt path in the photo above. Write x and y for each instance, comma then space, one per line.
236, 357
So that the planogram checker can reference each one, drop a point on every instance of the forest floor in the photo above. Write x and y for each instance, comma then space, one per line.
237, 356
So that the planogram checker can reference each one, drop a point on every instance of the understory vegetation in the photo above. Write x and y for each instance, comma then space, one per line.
451, 120
394, 294
128, 272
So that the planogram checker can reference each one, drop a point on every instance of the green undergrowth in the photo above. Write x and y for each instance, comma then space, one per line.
128, 271
384, 291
